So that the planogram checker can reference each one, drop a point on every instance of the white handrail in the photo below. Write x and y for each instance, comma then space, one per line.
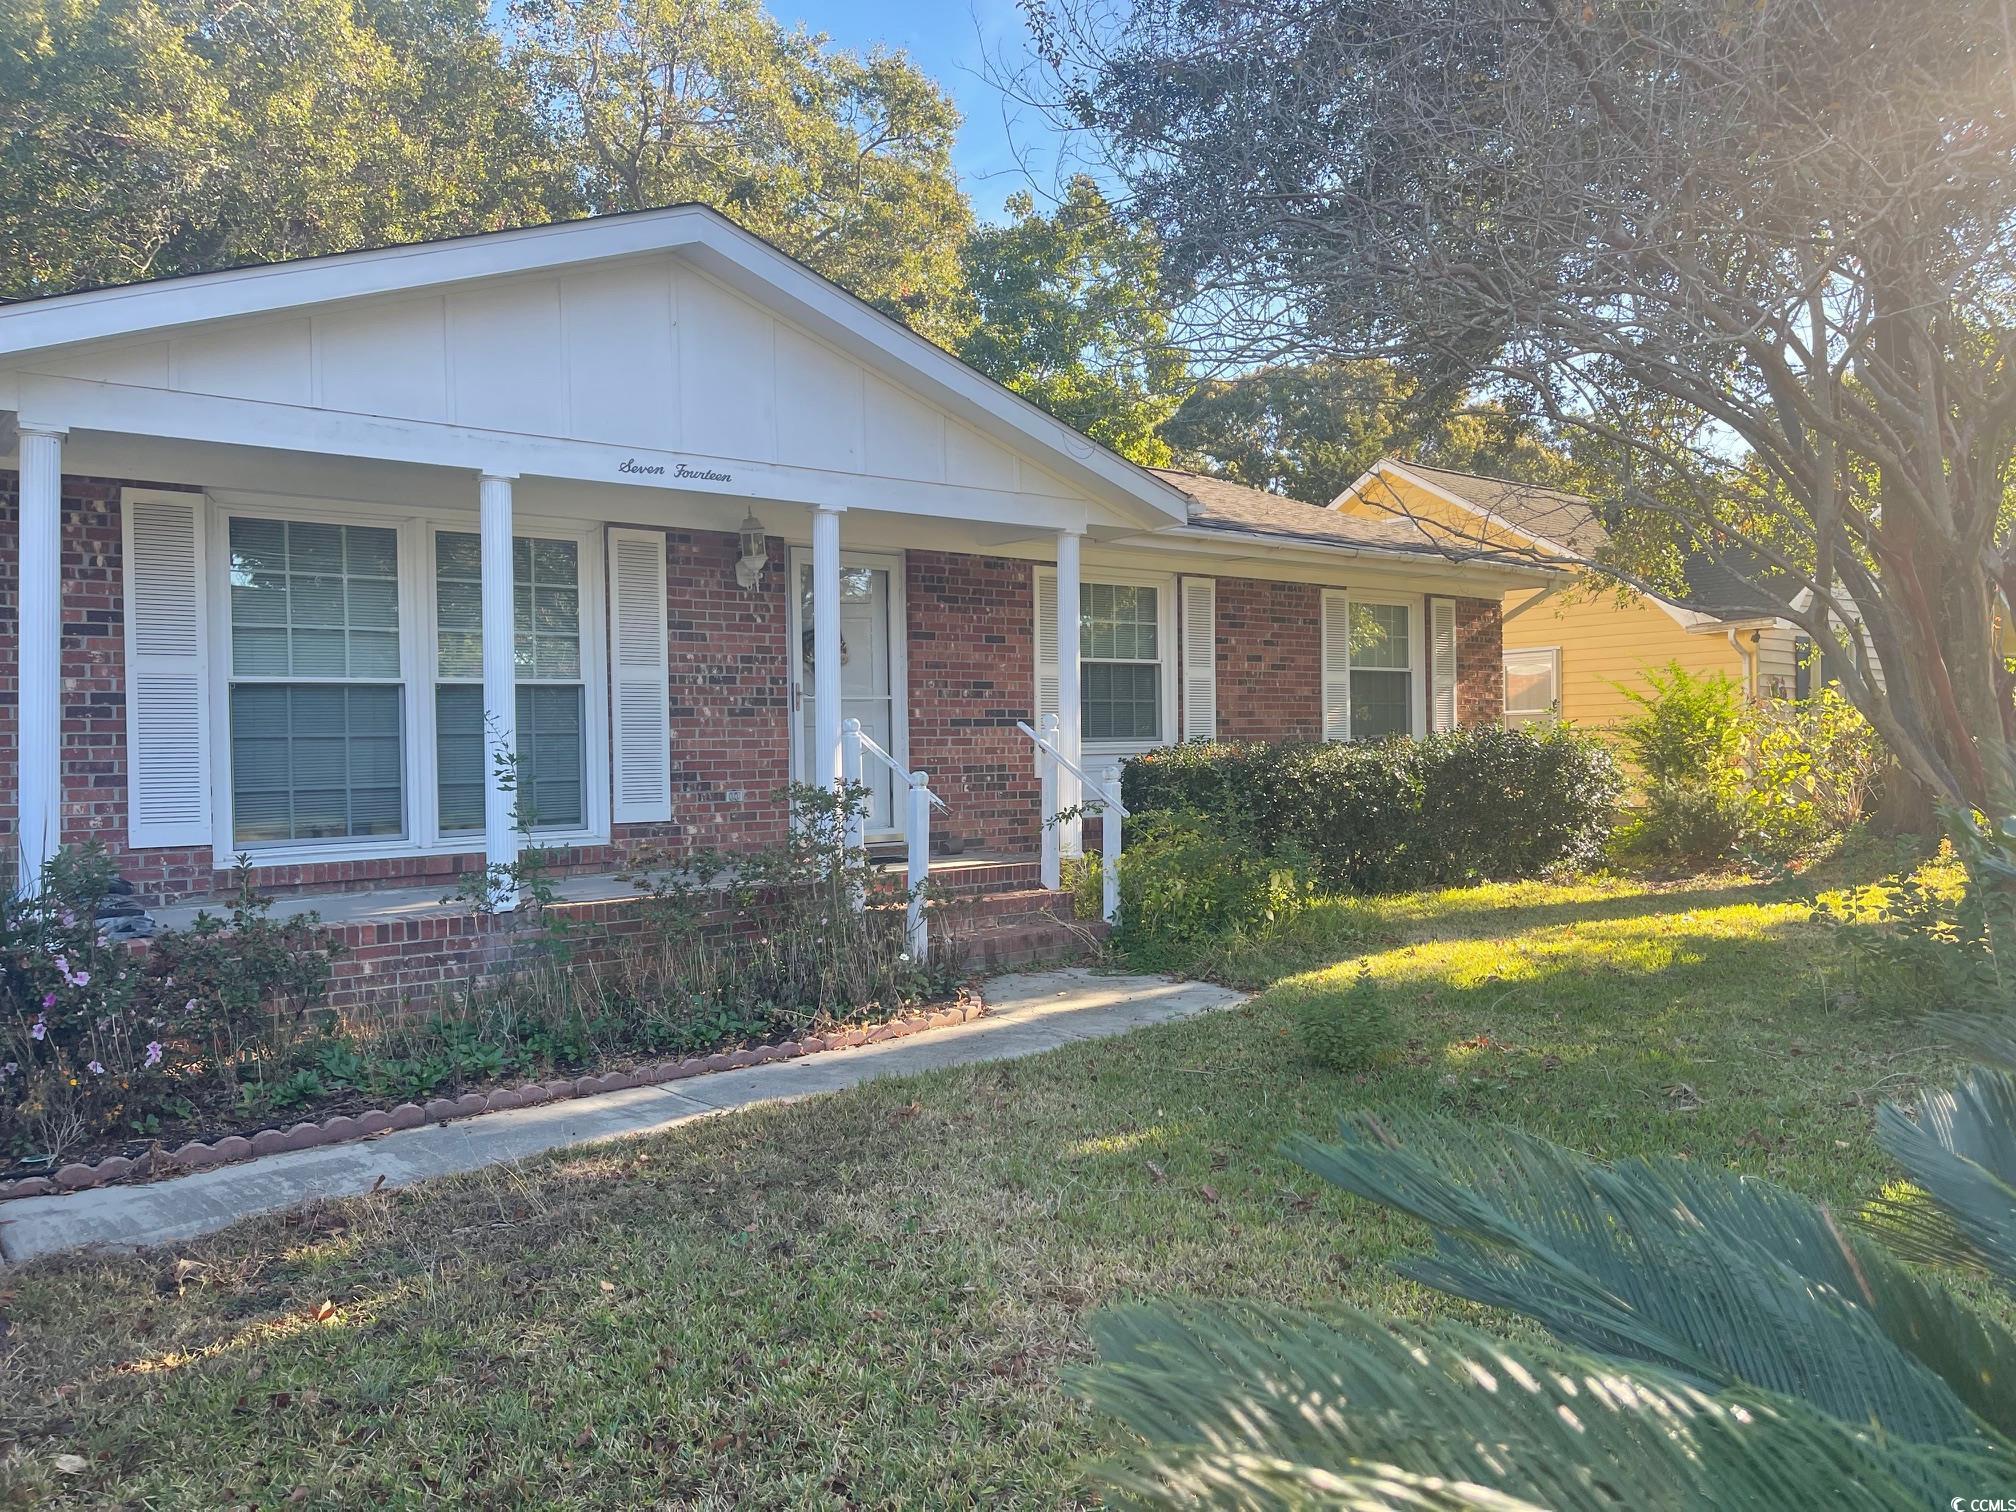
1106, 793
919, 800
1112, 800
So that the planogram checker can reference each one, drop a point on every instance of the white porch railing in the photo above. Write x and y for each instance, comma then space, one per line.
855, 743
1105, 794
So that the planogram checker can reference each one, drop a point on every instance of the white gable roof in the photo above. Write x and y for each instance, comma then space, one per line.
669, 330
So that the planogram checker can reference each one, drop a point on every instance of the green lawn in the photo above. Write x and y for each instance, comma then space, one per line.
869, 1299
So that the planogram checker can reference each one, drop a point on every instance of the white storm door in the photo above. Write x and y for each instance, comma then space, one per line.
871, 673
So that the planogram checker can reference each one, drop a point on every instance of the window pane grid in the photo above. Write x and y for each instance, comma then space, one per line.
545, 608
314, 602
313, 762
551, 698
551, 756
1120, 668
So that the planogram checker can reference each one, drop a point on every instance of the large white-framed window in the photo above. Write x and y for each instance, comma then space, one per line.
1374, 671
1126, 658
1532, 684
345, 682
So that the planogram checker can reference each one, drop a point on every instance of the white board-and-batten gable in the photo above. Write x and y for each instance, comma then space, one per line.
650, 350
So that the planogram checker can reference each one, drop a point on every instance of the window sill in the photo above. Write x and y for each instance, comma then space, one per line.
337, 853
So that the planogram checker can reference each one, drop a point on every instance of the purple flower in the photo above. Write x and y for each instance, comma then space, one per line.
94, 1068
190, 1006
9, 1069
69, 919
48, 1001
39, 1030
153, 1053
80, 979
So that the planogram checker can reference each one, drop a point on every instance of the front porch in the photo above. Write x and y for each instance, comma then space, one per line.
407, 946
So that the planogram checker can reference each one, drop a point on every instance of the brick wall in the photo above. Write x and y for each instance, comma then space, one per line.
1480, 661
970, 638
731, 697
1270, 660
972, 625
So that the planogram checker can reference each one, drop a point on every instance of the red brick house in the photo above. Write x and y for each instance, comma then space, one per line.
292, 551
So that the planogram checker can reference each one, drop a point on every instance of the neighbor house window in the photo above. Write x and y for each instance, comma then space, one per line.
1382, 675
1532, 685
551, 745
316, 694
1120, 663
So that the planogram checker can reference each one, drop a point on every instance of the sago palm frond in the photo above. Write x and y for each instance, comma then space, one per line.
1256, 1407
1723, 1282
1961, 1151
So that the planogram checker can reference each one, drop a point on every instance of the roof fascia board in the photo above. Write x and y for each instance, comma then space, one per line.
713, 242
1202, 539
167, 304
172, 416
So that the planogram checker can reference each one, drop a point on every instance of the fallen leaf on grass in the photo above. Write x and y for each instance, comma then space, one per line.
71, 1464
1157, 1172
1209, 1194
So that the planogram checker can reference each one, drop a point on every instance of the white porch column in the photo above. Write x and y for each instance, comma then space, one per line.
39, 654
500, 680
826, 646
1070, 717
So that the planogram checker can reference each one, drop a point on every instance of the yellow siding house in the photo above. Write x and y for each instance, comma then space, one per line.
1567, 649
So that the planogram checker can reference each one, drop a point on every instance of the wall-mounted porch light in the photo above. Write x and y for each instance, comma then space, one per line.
755, 554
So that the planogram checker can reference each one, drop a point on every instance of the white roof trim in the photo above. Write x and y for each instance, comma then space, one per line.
714, 242
1514, 574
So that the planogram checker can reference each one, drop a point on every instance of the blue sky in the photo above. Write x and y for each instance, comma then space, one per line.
952, 41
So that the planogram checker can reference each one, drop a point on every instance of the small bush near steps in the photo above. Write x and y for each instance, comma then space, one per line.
1340, 1029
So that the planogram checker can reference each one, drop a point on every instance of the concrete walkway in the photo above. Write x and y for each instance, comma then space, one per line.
1031, 1013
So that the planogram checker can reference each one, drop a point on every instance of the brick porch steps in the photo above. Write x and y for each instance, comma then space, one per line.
1022, 927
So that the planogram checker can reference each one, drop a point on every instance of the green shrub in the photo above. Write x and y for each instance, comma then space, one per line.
1189, 885
1476, 804
1687, 822
1816, 768
1722, 775
1340, 1029
1920, 943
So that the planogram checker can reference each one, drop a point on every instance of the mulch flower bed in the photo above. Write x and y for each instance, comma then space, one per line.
157, 1159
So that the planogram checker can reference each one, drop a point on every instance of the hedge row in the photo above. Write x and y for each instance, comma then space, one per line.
1478, 804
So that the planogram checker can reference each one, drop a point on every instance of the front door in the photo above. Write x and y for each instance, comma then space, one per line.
870, 675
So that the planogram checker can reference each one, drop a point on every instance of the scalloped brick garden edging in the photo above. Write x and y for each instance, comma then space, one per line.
200, 1156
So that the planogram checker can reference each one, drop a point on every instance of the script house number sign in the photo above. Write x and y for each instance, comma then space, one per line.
677, 470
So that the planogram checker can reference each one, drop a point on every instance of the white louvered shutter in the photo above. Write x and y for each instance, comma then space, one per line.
167, 670
1200, 659
1336, 665
640, 694
1441, 664
1046, 644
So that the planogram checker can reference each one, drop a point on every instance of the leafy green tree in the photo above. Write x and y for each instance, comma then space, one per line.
145, 138
842, 159
1308, 430
1717, 1340
1067, 311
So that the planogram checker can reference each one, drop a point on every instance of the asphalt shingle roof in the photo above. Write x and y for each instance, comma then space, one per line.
1218, 505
